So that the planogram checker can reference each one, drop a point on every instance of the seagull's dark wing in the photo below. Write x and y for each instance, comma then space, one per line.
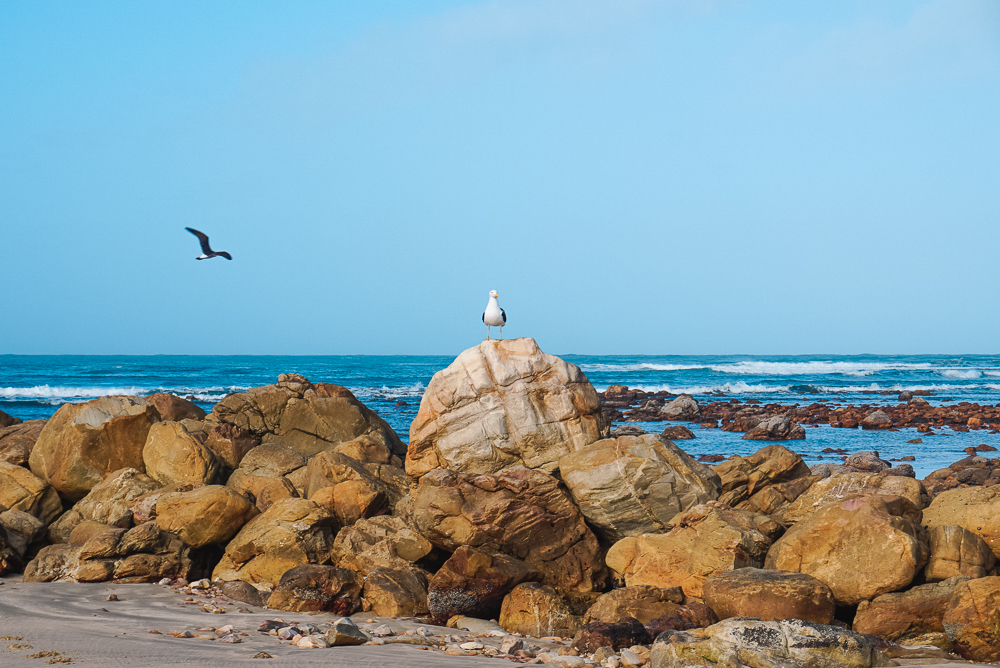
225, 255
484, 317
203, 238
503, 314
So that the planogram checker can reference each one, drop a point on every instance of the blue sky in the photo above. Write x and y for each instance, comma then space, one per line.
632, 176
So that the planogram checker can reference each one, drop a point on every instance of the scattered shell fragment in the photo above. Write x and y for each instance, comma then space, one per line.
112, 597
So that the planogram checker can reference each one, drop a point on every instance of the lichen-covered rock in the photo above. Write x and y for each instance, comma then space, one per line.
641, 602
906, 615
769, 595
741, 642
172, 454
972, 619
957, 551
976, 509
17, 440
82, 443
304, 416
522, 513
21, 490
631, 485
859, 548
205, 515
313, 588
624, 633
533, 609
500, 405
845, 485
289, 533
706, 540
396, 592
474, 582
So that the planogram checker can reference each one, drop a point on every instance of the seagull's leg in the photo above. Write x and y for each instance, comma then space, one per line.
501, 333
487, 332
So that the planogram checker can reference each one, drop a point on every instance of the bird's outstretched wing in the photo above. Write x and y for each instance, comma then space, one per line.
225, 255
503, 314
203, 238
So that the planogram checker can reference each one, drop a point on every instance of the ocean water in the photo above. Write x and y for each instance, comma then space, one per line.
34, 386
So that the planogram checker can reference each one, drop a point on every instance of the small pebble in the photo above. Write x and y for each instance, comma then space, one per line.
471, 645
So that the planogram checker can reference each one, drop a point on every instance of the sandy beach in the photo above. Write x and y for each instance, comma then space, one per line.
77, 621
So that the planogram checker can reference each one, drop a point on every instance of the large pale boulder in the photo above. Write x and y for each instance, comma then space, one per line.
289, 533
706, 540
523, 513
304, 416
844, 485
957, 551
82, 443
684, 407
172, 454
500, 405
21, 490
17, 440
631, 485
976, 509
769, 595
742, 642
204, 515
906, 615
533, 609
972, 619
859, 548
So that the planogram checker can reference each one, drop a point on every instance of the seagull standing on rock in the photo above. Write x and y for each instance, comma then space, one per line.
494, 316
206, 250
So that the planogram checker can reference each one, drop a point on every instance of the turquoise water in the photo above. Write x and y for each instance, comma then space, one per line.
33, 386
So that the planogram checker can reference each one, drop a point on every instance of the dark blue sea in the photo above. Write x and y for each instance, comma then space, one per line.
34, 386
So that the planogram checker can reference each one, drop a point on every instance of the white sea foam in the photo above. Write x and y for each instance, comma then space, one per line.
833, 389
739, 387
642, 367
766, 368
962, 374
59, 394
384, 392
762, 368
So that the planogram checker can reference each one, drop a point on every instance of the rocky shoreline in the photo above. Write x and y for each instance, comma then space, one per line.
515, 502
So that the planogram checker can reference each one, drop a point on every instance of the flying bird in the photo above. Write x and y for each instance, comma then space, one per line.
206, 250
494, 316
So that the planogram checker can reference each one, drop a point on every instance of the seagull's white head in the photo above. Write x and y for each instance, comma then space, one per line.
493, 293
